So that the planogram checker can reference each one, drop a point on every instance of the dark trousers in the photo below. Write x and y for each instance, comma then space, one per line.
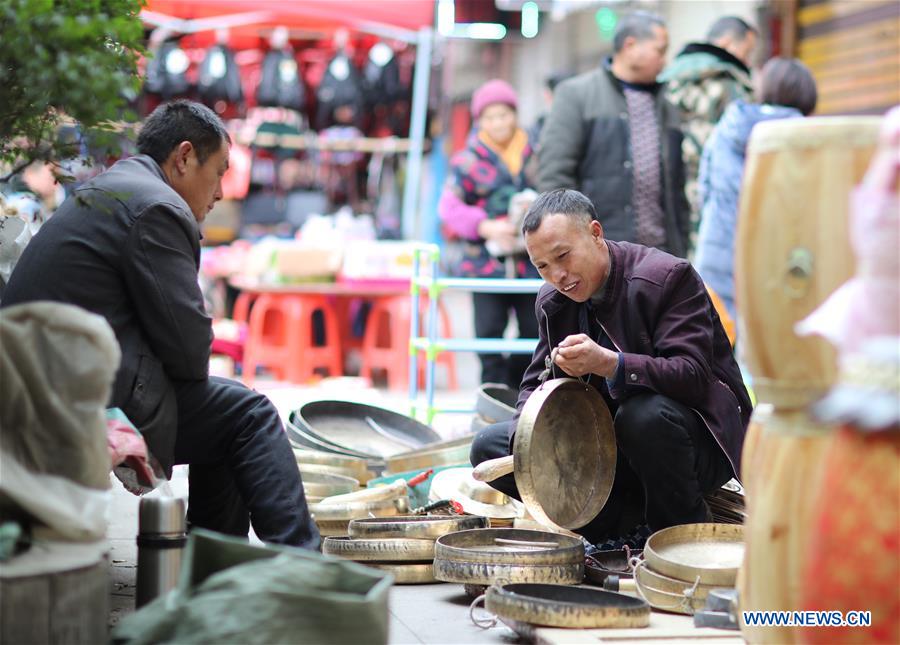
492, 313
667, 460
242, 468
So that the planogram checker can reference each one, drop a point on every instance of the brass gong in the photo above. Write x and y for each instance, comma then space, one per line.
564, 454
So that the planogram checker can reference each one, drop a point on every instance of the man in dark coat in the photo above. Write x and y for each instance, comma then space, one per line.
612, 135
636, 324
126, 246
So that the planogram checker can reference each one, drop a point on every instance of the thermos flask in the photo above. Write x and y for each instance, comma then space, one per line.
161, 539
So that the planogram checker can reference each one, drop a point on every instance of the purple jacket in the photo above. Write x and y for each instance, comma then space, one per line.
656, 311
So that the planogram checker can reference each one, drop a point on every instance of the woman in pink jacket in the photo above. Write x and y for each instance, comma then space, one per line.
497, 164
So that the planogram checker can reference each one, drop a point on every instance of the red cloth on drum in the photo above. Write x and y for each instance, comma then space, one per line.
854, 557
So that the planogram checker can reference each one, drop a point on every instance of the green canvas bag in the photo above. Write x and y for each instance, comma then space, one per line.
232, 592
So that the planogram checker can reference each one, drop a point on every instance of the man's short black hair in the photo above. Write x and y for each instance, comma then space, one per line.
177, 121
561, 201
639, 25
737, 28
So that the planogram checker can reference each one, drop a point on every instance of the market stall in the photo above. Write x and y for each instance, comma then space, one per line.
344, 86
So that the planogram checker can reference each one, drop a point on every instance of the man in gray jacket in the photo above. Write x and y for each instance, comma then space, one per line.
612, 135
126, 246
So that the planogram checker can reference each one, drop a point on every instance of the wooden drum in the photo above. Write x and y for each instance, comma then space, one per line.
793, 246
782, 467
793, 251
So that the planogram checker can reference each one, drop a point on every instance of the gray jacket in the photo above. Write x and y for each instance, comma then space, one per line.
585, 144
126, 246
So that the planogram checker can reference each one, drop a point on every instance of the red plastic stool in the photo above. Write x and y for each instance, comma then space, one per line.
241, 311
386, 342
280, 337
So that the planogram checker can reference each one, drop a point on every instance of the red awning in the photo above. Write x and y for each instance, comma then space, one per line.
307, 15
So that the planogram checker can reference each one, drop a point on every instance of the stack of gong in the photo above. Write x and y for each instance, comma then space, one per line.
727, 504
326, 475
682, 564
314, 462
334, 514
402, 546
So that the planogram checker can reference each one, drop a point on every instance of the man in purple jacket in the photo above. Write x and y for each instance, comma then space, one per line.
637, 324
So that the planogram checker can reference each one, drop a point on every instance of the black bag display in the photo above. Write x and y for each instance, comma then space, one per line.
166, 71
382, 76
280, 84
220, 78
341, 86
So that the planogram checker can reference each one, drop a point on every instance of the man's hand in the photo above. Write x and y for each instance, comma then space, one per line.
578, 355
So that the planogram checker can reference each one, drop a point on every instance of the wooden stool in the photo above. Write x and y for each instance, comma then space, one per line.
386, 342
281, 337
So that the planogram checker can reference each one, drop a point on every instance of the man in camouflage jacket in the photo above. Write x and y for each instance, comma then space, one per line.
702, 80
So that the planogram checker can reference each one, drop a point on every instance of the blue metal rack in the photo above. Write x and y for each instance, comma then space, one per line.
430, 344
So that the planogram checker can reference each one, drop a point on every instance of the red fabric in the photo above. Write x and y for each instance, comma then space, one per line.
234, 349
306, 16
854, 554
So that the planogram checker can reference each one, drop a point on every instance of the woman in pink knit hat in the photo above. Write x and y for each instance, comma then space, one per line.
482, 204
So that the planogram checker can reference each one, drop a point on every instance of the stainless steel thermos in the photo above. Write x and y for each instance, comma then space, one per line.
161, 539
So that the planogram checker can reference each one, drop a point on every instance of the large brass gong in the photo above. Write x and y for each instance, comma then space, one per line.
564, 454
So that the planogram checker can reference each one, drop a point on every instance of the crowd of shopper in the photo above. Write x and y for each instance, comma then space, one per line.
658, 151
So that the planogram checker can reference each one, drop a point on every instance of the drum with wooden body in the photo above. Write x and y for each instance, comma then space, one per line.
793, 248
783, 473
793, 251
